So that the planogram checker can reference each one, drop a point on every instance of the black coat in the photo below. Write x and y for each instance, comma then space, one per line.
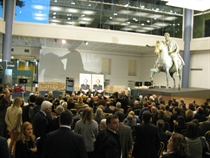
4, 150
107, 145
22, 150
40, 128
147, 141
64, 143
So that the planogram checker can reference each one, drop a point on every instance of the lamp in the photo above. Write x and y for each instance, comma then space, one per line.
86, 43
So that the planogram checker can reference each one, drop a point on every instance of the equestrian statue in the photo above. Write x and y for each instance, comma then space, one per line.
169, 60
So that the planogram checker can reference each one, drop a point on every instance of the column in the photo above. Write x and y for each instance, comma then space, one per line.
7, 37
187, 38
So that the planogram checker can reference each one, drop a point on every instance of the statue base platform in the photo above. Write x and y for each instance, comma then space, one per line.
200, 95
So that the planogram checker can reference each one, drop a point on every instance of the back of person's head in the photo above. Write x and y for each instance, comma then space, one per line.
39, 100
99, 112
32, 98
87, 115
66, 118
45, 104
146, 117
160, 124
192, 130
177, 110
130, 118
200, 110
145, 104
59, 109
181, 120
17, 102
167, 107
118, 104
120, 115
189, 114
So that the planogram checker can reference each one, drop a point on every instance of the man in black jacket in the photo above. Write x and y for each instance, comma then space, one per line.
107, 143
147, 141
63, 142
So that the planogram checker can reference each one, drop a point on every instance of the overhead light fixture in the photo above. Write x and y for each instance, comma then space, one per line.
200, 5
63, 41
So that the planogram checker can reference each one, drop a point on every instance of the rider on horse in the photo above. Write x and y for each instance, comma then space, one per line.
173, 50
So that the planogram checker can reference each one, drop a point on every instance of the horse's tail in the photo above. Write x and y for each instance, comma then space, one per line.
182, 61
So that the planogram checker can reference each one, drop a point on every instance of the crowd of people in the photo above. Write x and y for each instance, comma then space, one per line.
100, 126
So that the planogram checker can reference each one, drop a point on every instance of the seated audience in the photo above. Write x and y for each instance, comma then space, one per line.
205, 126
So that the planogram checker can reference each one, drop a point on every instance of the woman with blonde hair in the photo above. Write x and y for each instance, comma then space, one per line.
13, 119
88, 128
25, 146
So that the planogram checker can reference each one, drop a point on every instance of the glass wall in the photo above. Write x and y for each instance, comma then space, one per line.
36, 11
141, 16
1, 11
201, 26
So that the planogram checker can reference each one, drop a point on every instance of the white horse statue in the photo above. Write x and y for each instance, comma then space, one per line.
164, 63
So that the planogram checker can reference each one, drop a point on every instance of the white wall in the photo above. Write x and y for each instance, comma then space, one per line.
200, 78
57, 64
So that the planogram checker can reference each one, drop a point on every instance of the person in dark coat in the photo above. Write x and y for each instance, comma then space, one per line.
63, 142
41, 125
26, 109
147, 140
4, 150
107, 144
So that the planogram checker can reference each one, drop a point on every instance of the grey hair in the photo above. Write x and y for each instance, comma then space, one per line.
45, 104
99, 112
118, 104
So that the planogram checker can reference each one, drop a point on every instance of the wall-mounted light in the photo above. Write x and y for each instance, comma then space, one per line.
63, 41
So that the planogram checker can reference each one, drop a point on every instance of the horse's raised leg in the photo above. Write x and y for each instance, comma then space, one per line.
152, 72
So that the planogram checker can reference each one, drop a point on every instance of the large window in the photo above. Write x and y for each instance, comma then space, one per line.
36, 11
142, 16
201, 24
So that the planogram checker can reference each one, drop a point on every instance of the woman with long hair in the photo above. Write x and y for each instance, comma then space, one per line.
13, 119
177, 147
25, 146
88, 128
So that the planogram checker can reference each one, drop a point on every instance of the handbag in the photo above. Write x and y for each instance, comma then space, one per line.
205, 152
